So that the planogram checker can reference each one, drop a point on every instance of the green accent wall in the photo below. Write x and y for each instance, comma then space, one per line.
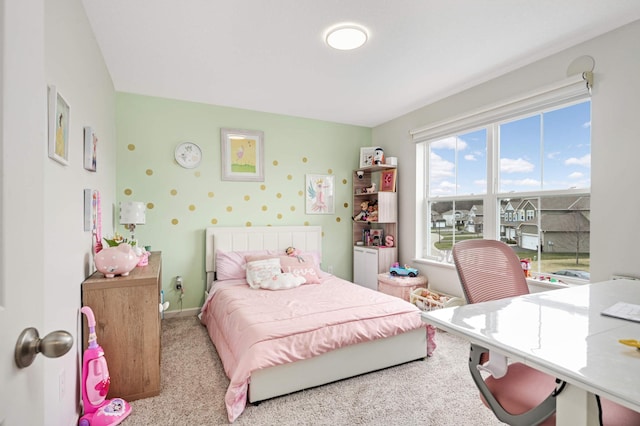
181, 202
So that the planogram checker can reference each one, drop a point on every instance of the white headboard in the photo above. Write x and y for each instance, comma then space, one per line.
304, 238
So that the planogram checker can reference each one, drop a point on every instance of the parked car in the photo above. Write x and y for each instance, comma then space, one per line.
403, 271
573, 273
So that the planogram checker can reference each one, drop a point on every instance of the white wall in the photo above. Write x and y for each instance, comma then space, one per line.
615, 149
74, 64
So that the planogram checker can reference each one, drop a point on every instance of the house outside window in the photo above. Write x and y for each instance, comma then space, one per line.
524, 180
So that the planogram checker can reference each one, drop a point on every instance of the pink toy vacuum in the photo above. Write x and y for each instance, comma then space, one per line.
97, 409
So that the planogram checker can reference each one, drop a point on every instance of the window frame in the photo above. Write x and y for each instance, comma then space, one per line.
565, 94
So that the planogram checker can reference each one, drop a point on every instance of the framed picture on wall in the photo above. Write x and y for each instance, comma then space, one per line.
58, 126
242, 155
90, 149
320, 194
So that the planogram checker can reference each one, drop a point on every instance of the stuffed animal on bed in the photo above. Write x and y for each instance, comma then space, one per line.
294, 252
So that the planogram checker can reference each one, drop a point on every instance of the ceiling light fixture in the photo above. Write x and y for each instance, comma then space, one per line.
346, 37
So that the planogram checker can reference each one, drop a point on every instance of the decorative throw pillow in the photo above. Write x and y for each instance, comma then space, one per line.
262, 270
232, 264
302, 266
282, 281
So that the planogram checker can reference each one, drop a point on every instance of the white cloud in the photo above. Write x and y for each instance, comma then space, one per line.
553, 155
470, 157
443, 188
576, 175
584, 161
449, 143
586, 125
509, 165
439, 168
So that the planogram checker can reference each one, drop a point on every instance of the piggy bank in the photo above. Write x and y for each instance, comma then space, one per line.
119, 260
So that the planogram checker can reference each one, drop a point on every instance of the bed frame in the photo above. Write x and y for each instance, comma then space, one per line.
335, 365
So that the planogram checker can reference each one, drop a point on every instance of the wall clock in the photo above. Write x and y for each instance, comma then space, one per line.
188, 155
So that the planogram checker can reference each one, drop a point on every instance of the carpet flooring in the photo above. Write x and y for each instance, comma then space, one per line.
434, 391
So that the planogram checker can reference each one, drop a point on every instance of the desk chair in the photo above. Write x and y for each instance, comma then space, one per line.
517, 394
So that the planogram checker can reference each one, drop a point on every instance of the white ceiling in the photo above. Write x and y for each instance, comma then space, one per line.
270, 55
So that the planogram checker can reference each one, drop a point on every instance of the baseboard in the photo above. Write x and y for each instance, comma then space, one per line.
191, 312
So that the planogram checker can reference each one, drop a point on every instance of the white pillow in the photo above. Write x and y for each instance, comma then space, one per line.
261, 270
282, 282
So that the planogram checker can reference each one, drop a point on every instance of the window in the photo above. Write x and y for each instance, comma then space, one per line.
520, 178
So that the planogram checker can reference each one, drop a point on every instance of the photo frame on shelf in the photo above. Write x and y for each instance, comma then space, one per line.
242, 155
90, 149
377, 236
320, 194
58, 124
367, 154
388, 180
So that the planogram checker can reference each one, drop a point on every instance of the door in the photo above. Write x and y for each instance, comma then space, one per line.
22, 155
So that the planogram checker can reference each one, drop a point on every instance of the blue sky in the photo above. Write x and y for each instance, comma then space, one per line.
547, 151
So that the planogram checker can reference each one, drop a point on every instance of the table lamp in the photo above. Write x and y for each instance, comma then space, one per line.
132, 213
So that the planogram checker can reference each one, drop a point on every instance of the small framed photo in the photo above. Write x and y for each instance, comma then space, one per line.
90, 149
320, 194
388, 180
366, 156
58, 127
91, 201
242, 155
377, 237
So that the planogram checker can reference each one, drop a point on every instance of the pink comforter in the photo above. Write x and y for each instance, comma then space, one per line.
254, 329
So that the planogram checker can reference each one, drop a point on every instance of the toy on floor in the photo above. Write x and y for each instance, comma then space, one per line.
97, 409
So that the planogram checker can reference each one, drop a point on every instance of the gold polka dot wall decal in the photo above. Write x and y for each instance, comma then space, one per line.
304, 159
214, 221
263, 187
192, 207
344, 181
150, 206
275, 162
173, 192
279, 195
289, 177
248, 224
346, 205
197, 174
210, 194
300, 193
131, 147
279, 216
128, 191
306, 223
329, 171
229, 208
292, 208
264, 208
247, 197
174, 221
149, 172
338, 219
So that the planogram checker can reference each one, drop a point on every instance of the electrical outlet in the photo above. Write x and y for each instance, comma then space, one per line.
178, 283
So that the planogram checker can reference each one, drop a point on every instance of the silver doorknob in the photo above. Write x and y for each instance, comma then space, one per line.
29, 344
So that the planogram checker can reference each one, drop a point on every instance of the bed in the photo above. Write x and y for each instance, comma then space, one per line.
321, 338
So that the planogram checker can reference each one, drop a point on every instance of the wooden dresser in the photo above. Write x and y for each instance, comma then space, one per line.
128, 327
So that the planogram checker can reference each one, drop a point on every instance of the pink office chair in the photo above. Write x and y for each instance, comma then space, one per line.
490, 270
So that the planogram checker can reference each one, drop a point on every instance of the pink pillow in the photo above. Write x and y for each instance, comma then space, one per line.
308, 268
232, 264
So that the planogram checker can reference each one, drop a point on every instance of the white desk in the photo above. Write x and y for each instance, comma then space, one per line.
562, 333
